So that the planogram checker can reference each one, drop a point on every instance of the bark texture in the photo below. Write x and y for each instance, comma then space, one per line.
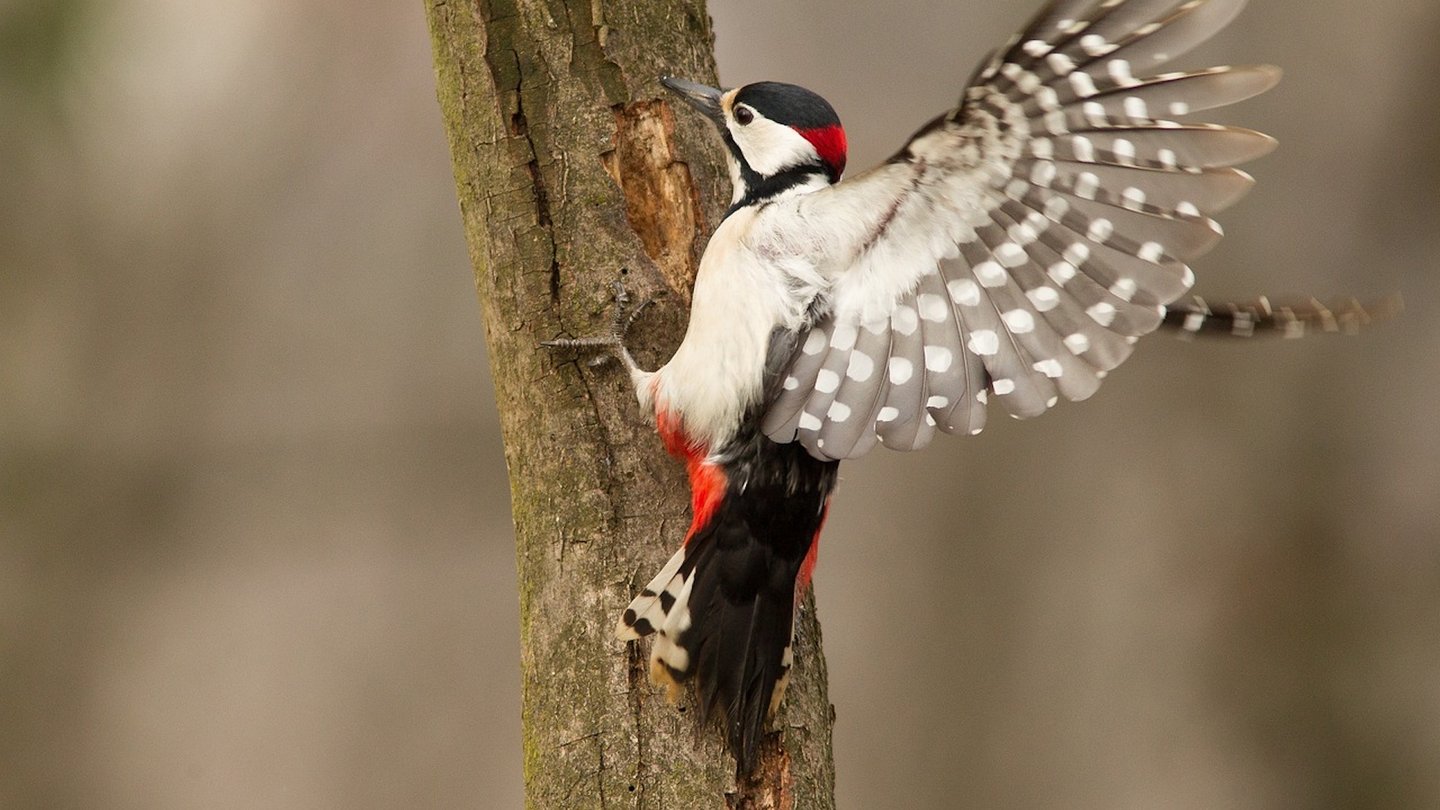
571, 166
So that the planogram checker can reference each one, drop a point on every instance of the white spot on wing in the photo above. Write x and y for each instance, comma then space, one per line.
1124, 151
827, 381
1077, 343
1120, 72
1124, 289
990, 274
984, 342
861, 368
1044, 298
905, 320
1102, 313
1095, 45
814, 342
1050, 368
1061, 272
1011, 254
1036, 48
932, 307
938, 359
1019, 321
964, 292
1043, 173
838, 412
901, 370
1077, 253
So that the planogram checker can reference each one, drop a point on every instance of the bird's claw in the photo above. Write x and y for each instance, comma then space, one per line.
611, 344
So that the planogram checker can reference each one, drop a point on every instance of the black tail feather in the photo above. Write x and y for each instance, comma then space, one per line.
746, 560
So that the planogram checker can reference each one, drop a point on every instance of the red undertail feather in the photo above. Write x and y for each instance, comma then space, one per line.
707, 481
807, 568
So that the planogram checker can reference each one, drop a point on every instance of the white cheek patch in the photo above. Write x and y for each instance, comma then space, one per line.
771, 148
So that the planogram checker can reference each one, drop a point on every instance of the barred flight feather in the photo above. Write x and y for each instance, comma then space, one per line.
1031, 235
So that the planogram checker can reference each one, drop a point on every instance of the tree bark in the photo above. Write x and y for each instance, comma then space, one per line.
569, 167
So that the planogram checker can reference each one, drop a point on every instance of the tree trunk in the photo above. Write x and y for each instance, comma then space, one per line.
568, 167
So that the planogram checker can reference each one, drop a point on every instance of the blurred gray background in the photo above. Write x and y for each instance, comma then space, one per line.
254, 533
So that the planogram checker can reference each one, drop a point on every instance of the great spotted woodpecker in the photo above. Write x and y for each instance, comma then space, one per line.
1011, 252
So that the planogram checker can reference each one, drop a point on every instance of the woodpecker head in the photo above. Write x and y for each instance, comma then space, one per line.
777, 136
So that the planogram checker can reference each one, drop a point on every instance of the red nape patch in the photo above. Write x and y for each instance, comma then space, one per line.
707, 481
830, 143
807, 567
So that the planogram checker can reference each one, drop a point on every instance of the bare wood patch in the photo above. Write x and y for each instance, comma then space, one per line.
771, 786
662, 202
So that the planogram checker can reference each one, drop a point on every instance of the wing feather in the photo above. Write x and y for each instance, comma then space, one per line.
966, 386
1097, 284
782, 415
948, 377
1017, 247
1119, 39
1160, 145
850, 430
1051, 280
1026, 317
902, 423
822, 409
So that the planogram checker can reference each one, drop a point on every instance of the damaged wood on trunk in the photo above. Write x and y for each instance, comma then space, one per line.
662, 202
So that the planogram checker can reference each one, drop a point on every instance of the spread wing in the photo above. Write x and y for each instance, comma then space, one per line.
1017, 246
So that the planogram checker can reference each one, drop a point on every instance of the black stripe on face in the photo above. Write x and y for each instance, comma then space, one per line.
756, 187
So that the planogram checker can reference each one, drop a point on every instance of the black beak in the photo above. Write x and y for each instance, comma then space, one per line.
705, 99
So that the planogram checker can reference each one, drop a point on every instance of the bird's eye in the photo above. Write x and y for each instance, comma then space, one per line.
743, 115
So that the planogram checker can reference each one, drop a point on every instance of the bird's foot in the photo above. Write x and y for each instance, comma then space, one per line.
611, 344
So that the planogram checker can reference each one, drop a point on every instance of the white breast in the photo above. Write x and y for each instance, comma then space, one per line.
750, 282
